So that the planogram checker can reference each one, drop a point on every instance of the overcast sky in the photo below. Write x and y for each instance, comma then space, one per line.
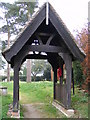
74, 13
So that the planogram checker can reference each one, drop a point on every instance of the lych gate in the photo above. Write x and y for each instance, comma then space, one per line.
45, 33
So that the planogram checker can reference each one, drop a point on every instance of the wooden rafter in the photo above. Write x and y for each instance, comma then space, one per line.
50, 38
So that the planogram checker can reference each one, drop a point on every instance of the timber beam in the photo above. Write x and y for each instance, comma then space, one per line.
45, 48
36, 56
50, 38
44, 34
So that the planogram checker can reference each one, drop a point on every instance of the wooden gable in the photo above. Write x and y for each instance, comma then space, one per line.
36, 28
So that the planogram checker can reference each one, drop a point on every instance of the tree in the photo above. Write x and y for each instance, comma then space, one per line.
6, 29
9, 26
47, 72
78, 73
16, 15
24, 71
37, 67
82, 41
0, 58
2, 47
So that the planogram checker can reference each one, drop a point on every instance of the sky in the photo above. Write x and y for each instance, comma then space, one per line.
74, 13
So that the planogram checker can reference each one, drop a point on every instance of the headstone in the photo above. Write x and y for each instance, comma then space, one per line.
3, 90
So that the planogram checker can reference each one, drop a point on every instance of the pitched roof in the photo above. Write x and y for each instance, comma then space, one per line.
32, 26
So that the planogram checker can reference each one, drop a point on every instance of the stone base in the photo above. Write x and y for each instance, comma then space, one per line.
13, 114
68, 113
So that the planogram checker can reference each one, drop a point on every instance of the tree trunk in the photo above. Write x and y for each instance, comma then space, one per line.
8, 66
28, 70
8, 73
51, 74
34, 78
28, 61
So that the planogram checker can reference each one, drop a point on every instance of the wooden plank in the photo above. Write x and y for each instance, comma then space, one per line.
68, 63
61, 94
45, 48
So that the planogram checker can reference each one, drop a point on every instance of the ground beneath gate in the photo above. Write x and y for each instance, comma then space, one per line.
31, 111
37, 110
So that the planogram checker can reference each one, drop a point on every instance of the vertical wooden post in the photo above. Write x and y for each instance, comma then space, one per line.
73, 82
16, 89
68, 63
55, 80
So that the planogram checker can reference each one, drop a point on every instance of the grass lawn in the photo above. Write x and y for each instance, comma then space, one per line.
80, 103
42, 92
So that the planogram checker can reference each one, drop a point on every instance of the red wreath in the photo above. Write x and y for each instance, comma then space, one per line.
59, 72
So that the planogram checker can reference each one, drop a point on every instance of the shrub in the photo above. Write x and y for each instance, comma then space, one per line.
78, 73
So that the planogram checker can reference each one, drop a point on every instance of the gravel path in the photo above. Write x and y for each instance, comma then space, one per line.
31, 111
